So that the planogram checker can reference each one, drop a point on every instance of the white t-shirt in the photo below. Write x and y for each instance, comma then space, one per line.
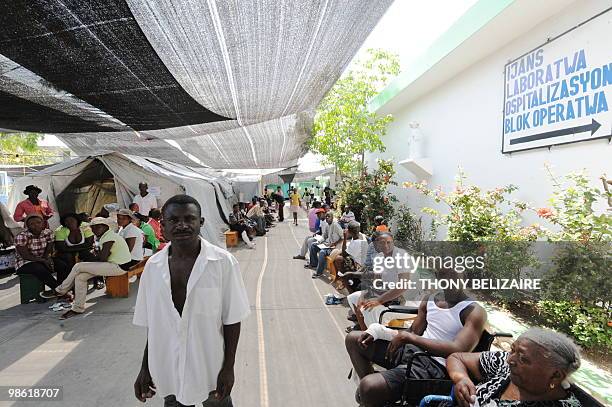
132, 230
358, 248
145, 203
186, 352
347, 217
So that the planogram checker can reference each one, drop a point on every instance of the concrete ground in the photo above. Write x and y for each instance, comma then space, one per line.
291, 350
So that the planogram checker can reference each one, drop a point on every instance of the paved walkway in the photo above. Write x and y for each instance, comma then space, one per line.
291, 350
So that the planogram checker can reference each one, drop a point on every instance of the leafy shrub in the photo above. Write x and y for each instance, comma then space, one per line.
590, 326
367, 195
581, 265
409, 230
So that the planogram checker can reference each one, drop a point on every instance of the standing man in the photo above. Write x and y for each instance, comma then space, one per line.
280, 200
145, 200
192, 300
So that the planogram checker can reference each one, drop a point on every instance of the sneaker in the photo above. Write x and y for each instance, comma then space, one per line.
299, 257
48, 294
315, 275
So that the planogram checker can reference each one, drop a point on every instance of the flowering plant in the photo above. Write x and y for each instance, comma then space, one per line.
479, 215
572, 210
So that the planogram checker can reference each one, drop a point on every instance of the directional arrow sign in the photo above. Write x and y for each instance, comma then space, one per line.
593, 127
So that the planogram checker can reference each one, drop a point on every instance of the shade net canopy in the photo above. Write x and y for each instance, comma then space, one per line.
225, 84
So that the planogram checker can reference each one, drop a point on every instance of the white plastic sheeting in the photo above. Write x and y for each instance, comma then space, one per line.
213, 194
234, 82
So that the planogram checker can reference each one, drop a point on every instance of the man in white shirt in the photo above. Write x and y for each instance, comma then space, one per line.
332, 235
192, 300
256, 214
368, 303
347, 216
145, 200
133, 235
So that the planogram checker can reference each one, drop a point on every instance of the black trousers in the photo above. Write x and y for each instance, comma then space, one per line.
41, 272
281, 215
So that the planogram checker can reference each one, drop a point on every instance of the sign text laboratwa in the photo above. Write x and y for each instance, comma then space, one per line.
561, 92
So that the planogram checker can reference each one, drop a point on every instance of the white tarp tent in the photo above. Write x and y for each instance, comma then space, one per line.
232, 83
126, 171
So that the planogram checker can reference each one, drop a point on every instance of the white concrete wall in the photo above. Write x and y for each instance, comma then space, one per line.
461, 123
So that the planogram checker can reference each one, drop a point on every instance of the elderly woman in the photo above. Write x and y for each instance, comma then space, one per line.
533, 374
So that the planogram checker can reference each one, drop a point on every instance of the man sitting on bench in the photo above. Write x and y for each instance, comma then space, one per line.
113, 259
447, 322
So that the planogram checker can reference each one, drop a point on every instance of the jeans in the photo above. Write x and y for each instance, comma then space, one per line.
321, 263
307, 244
313, 257
261, 224
170, 401
41, 272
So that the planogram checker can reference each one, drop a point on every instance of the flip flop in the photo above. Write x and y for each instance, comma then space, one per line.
69, 314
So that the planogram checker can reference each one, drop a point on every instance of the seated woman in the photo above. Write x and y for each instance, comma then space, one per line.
73, 239
151, 243
534, 373
112, 259
155, 216
33, 249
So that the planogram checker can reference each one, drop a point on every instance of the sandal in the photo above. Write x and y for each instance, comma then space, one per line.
69, 314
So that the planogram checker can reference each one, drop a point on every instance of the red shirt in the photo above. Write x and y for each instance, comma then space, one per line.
156, 228
26, 207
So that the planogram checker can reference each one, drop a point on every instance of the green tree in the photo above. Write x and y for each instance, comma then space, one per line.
344, 130
22, 149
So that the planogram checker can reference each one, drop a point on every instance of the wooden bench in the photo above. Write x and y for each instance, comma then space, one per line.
119, 286
331, 268
231, 238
